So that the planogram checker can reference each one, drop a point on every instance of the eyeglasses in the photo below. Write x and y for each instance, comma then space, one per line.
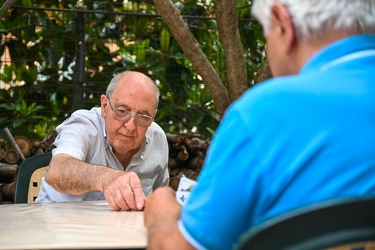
124, 115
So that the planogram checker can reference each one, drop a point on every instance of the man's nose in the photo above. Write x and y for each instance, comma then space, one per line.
130, 124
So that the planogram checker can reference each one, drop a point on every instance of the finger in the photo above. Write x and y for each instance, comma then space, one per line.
114, 198
139, 196
126, 199
112, 204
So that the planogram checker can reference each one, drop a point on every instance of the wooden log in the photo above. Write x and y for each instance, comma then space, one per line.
175, 138
176, 148
8, 191
174, 172
195, 144
49, 149
2, 142
174, 183
189, 134
24, 145
12, 156
37, 147
40, 151
175, 180
8, 170
2, 154
183, 154
48, 141
172, 163
191, 174
196, 163
14, 144
37, 143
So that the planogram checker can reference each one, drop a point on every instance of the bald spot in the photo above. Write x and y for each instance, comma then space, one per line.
137, 84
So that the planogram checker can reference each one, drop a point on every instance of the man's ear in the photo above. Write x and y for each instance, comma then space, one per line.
284, 23
155, 112
103, 105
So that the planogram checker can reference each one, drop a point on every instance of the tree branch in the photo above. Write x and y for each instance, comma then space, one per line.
6, 6
193, 52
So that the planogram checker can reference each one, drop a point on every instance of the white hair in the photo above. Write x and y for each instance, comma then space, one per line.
314, 18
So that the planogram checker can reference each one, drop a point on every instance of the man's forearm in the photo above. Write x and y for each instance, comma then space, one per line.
71, 176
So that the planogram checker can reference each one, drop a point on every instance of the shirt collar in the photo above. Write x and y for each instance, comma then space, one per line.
338, 49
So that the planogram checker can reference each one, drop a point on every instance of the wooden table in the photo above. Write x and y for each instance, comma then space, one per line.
73, 225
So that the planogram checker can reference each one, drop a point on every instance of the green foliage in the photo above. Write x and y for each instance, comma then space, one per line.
24, 117
40, 85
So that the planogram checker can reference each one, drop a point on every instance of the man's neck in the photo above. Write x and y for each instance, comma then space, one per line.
126, 158
308, 48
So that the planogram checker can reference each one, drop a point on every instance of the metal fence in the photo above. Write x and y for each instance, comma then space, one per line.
56, 60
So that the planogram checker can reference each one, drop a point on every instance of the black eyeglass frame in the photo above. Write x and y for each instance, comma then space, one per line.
136, 116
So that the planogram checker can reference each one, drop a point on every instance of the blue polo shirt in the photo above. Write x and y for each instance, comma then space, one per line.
289, 142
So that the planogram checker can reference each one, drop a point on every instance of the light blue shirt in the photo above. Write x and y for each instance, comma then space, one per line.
289, 142
83, 137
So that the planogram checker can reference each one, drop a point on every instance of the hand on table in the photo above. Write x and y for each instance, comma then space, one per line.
124, 191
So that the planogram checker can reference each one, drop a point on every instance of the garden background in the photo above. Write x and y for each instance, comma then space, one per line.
59, 56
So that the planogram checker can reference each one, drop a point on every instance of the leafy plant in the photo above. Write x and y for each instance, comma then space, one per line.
42, 81
24, 117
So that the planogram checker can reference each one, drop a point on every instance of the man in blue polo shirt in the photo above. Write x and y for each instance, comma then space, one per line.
305, 136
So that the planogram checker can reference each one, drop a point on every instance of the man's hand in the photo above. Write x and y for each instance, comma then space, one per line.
162, 202
161, 215
123, 190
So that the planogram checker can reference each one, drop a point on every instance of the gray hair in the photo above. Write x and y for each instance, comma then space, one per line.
116, 79
315, 18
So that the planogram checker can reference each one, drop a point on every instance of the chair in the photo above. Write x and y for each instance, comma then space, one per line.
328, 224
29, 177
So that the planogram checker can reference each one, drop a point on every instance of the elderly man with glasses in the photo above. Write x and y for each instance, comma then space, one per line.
115, 152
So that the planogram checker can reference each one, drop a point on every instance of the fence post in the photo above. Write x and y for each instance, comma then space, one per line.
79, 80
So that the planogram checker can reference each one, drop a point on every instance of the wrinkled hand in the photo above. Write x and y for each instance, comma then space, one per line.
123, 190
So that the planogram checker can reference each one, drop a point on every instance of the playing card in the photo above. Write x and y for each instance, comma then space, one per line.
184, 189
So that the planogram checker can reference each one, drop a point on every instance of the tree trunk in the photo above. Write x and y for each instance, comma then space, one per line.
227, 24
191, 48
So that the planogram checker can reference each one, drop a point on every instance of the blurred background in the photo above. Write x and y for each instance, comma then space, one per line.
59, 56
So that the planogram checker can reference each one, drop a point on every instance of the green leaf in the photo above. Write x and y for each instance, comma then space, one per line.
127, 57
29, 33
141, 50
165, 39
